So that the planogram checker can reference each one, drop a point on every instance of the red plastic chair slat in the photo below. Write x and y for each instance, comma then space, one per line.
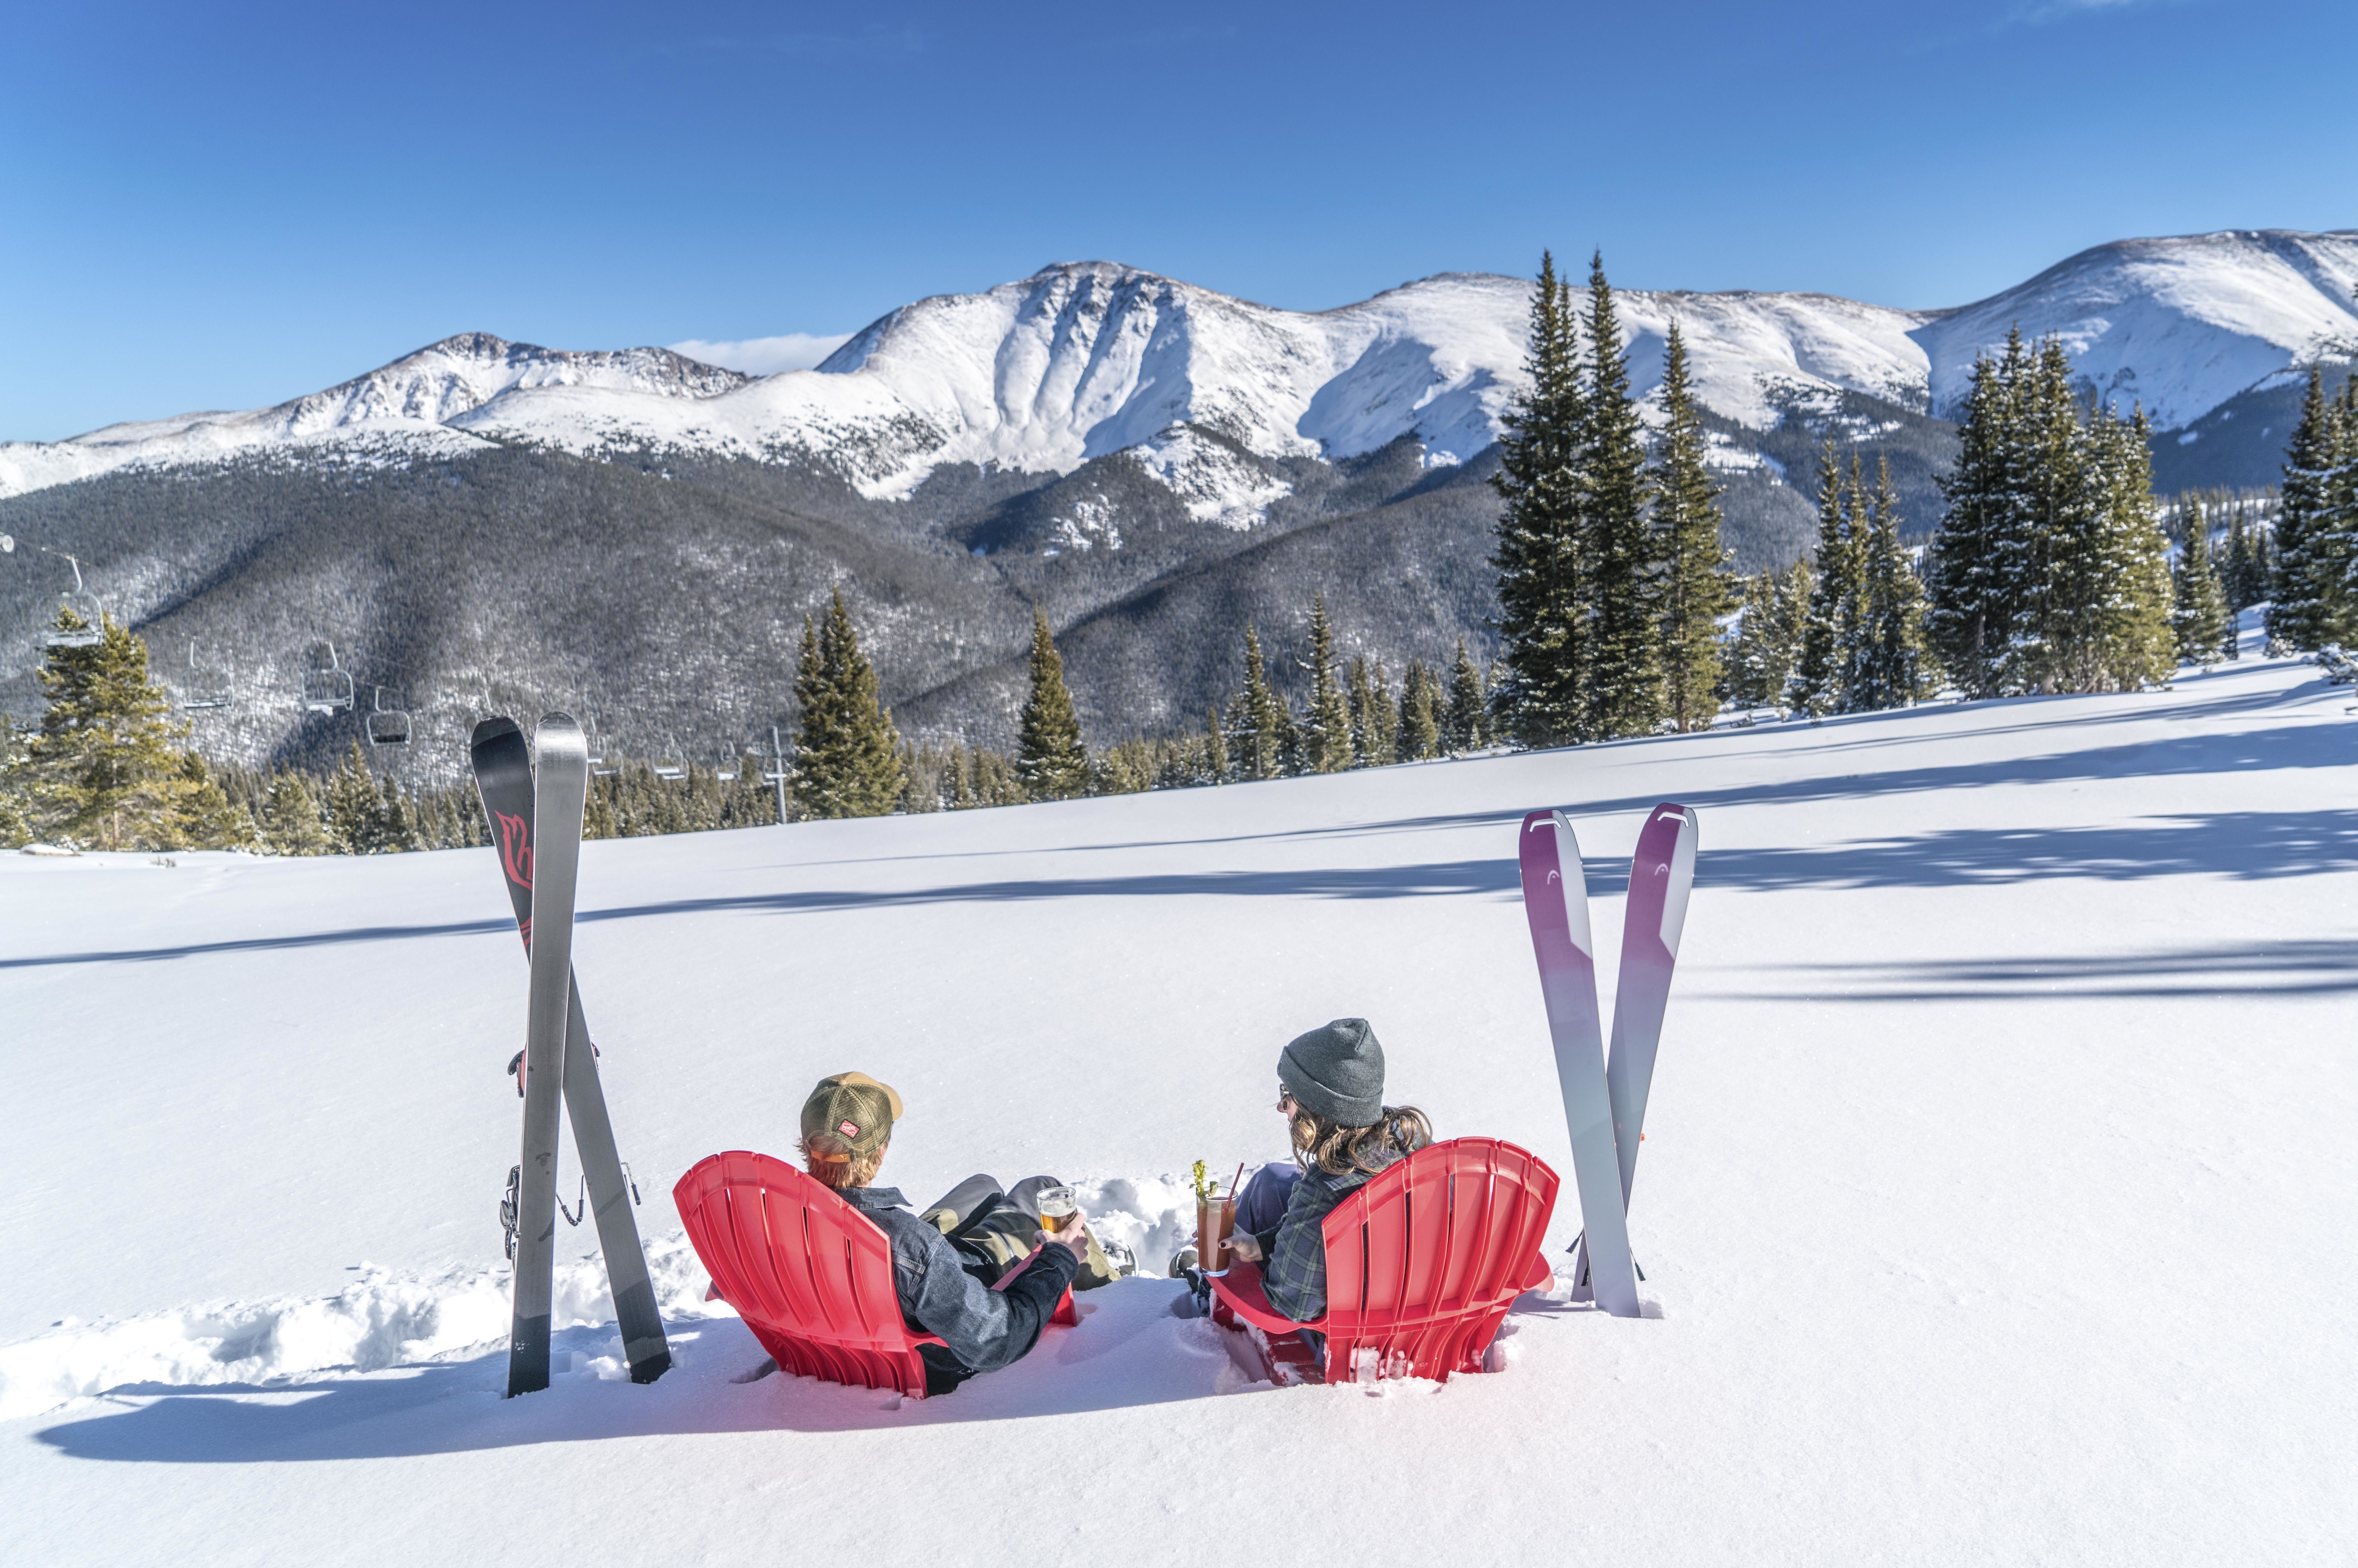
1423, 1260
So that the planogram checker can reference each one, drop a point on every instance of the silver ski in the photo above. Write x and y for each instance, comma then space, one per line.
1555, 902
560, 785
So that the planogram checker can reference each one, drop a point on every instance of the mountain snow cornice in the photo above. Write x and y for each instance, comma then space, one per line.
1085, 359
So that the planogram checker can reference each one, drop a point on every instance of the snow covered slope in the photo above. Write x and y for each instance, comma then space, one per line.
1085, 358
1993, 1205
2182, 325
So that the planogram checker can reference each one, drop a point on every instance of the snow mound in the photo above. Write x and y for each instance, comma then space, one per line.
382, 1319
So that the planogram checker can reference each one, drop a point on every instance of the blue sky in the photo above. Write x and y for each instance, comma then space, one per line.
226, 205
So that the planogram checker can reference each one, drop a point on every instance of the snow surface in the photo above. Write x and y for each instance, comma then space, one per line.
1083, 359
1994, 1205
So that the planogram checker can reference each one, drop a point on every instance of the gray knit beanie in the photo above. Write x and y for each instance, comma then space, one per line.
1336, 1071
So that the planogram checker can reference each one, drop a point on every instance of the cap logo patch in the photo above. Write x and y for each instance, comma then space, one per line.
849, 1129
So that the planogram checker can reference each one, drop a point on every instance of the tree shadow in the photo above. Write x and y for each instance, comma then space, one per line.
2309, 967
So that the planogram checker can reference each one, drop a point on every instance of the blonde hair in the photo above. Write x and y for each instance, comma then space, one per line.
1322, 1144
832, 1166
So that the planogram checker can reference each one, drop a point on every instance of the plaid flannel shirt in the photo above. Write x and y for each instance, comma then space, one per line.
1294, 1276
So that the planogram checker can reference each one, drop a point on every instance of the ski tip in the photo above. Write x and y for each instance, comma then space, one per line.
490, 730
558, 722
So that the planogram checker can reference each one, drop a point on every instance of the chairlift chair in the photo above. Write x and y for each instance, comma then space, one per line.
327, 690
672, 765
387, 726
205, 685
85, 605
726, 769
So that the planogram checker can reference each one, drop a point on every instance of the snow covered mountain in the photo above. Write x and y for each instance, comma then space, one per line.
1083, 360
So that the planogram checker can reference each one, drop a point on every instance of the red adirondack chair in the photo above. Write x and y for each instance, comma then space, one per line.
1421, 1262
811, 1275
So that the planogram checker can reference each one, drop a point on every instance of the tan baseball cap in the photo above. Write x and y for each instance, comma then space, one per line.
849, 1112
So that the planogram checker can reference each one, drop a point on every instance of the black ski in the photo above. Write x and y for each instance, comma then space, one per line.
502, 765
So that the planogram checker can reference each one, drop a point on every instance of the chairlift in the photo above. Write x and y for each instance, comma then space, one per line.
327, 690
673, 765
726, 769
387, 726
599, 766
205, 685
85, 606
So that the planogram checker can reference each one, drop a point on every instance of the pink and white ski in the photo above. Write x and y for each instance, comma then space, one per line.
1661, 875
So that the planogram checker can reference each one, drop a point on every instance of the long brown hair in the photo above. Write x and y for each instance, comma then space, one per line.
1322, 1144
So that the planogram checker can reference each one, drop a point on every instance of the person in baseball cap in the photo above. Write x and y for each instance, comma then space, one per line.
976, 1268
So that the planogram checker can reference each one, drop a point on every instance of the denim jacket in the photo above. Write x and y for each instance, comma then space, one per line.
984, 1329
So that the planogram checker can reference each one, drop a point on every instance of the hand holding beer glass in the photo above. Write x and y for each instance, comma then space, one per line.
1062, 1223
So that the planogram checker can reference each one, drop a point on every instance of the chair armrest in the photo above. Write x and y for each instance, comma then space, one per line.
1541, 1275
1240, 1286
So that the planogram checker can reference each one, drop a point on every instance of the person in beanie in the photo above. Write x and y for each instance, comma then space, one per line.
1330, 1089
950, 1266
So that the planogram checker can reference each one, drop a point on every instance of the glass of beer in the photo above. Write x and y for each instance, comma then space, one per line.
1057, 1207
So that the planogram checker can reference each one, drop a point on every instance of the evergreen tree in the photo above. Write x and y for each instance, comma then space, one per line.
1383, 722
1829, 634
1422, 704
354, 809
847, 754
1253, 729
1769, 638
1049, 757
1543, 566
209, 818
101, 771
1625, 678
2246, 581
1326, 739
1978, 562
1696, 592
1464, 729
1890, 669
2306, 608
1362, 694
16, 803
292, 822
1215, 749
2198, 618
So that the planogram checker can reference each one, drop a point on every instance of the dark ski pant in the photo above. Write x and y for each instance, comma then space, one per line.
993, 1230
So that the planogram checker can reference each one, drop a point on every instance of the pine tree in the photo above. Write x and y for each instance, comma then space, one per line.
1889, 670
1539, 555
1976, 563
1422, 705
353, 810
2310, 596
292, 824
847, 754
16, 800
1820, 684
1383, 722
103, 771
1624, 684
1215, 749
209, 818
1695, 589
1362, 696
2198, 617
1326, 734
1253, 730
1769, 638
1049, 756
1464, 729
2129, 597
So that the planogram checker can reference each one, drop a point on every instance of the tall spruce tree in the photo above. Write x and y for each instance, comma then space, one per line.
1820, 682
1326, 734
1624, 681
1696, 590
1540, 554
102, 771
1422, 705
1465, 728
1769, 637
1889, 668
1254, 746
847, 754
2199, 618
1215, 749
1978, 562
292, 824
2311, 595
1049, 756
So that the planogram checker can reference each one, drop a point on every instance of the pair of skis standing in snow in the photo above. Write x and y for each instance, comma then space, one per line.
534, 796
